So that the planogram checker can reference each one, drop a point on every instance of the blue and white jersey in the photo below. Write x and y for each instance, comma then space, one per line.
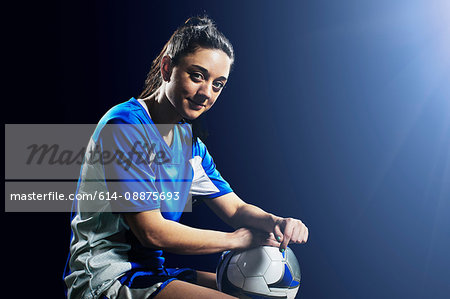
102, 246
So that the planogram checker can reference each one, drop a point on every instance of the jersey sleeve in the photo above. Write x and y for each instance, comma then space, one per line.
207, 182
129, 175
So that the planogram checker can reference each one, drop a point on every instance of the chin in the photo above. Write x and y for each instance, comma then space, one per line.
192, 114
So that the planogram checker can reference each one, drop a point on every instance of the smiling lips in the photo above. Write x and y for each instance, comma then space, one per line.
196, 105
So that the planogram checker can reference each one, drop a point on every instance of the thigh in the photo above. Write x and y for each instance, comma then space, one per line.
206, 279
141, 283
180, 289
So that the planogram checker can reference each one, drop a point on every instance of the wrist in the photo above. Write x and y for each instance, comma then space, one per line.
270, 221
233, 241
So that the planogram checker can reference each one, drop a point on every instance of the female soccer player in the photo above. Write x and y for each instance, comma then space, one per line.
117, 252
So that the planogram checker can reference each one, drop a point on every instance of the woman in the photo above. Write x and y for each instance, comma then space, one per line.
117, 252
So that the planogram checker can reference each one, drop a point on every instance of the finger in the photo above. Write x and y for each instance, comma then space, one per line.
271, 242
306, 234
299, 232
278, 233
296, 235
272, 237
303, 234
266, 239
286, 237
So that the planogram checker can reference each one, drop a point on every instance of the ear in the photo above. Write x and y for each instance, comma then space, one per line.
166, 68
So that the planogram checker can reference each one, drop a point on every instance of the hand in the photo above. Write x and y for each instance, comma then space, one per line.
248, 238
290, 230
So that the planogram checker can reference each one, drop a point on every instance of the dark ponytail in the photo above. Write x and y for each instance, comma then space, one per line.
196, 32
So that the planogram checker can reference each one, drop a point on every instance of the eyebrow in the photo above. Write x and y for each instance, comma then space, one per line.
206, 71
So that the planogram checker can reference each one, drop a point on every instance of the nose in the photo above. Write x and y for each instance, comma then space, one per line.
204, 93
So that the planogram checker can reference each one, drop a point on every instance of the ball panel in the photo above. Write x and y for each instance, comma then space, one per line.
274, 253
278, 292
274, 272
235, 276
285, 280
292, 262
291, 293
253, 262
256, 285
294, 284
235, 258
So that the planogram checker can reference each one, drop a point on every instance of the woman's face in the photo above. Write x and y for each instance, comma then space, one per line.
197, 80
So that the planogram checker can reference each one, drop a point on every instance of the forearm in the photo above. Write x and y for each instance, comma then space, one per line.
237, 213
284, 230
182, 239
153, 231
234, 211
248, 215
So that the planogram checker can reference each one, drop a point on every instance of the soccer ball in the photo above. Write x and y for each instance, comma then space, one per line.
261, 272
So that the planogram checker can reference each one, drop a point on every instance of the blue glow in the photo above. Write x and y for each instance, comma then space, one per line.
342, 113
336, 112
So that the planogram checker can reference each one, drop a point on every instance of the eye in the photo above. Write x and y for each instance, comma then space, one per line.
197, 77
218, 84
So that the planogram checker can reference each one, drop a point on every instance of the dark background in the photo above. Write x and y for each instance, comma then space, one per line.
336, 113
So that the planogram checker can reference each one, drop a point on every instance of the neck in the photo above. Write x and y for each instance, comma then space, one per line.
160, 108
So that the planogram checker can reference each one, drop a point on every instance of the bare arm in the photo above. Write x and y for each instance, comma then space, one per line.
235, 212
154, 231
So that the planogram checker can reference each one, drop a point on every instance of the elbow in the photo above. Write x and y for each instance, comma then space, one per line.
149, 229
150, 238
236, 220
153, 240
155, 232
149, 241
